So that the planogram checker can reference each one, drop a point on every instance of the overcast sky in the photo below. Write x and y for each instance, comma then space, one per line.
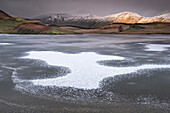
32, 8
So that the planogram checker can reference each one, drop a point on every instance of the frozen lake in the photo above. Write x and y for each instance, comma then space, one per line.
77, 73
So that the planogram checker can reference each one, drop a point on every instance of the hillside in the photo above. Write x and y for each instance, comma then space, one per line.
19, 25
4, 15
122, 28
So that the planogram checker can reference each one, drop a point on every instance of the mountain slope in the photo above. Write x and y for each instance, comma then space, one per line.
129, 17
125, 17
165, 16
19, 25
82, 21
4, 15
93, 21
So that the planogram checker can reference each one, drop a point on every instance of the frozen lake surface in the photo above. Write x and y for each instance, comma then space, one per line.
84, 73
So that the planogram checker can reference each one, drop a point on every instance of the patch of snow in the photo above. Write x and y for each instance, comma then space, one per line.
166, 16
157, 47
5, 44
126, 14
86, 73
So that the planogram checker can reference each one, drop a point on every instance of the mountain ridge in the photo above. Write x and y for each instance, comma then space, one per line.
78, 20
93, 21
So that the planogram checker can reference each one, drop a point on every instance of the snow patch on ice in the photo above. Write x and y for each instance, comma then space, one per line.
86, 73
157, 47
5, 44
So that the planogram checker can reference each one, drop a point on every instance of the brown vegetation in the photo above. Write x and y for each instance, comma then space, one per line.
151, 28
31, 28
114, 28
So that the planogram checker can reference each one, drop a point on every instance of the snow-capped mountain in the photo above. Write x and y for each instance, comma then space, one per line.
129, 17
84, 20
93, 21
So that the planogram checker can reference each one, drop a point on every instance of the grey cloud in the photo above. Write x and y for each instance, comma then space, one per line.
31, 8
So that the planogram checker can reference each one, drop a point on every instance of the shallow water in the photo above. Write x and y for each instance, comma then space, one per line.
84, 73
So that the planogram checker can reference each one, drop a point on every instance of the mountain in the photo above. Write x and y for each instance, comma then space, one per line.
93, 21
76, 20
4, 15
129, 17
125, 17
62, 23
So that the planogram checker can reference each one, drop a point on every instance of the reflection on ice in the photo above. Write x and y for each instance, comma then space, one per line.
85, 72
156, 47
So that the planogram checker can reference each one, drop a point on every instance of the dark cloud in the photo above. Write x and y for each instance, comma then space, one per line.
31, 8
